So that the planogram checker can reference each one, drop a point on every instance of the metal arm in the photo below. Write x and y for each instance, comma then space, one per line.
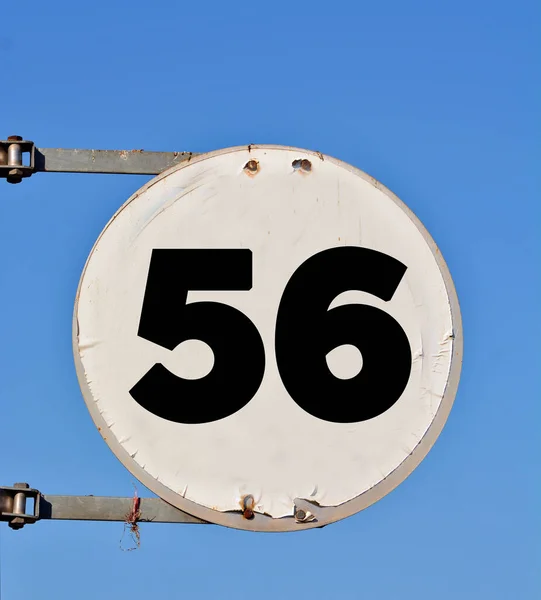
13, 506
14, 167
19, 159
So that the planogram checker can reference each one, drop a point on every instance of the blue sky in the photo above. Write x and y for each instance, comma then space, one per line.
440, 102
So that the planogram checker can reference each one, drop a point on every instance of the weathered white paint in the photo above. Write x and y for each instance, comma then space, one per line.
271, 448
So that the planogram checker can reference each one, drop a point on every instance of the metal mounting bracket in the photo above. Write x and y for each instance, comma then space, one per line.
14, 167
13, 503
20, 159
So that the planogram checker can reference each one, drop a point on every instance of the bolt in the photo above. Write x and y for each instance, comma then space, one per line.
15, 138
248, 506
16, 523
304, 516
304, 165
252, 167
14, 176
300, 515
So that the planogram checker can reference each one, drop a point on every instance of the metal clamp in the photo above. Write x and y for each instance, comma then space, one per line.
13, 505
11, 158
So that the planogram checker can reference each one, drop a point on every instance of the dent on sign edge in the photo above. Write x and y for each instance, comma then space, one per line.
126, 439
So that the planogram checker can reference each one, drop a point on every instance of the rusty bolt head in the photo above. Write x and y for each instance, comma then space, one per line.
14, 176
252, 167
302, 164
248, 504
15, 138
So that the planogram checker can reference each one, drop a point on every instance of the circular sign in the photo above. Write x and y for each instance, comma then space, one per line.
267, 338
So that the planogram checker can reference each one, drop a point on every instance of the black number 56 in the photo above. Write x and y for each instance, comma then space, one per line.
306, 331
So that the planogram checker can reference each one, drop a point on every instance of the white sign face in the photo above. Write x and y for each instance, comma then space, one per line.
267, 338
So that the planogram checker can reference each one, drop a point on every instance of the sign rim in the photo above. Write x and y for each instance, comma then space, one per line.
325, 515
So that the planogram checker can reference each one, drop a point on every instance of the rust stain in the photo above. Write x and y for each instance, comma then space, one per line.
247, 504
251, 168
302, 165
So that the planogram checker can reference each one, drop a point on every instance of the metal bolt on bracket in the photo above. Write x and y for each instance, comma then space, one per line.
304, 516
64, 160
11, 158
13, 505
